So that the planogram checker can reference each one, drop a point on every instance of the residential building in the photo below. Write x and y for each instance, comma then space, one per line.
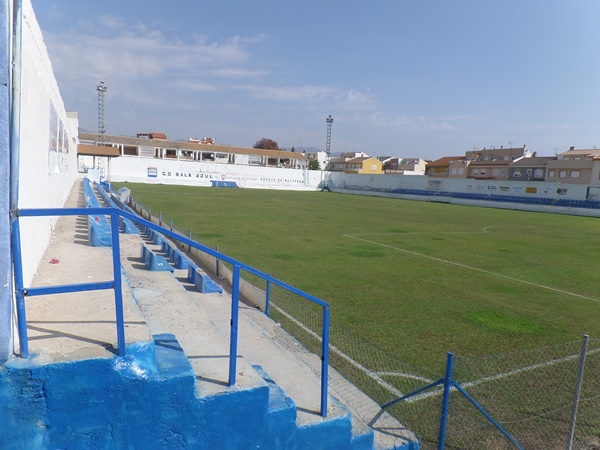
405, 166
575, 167
493, 164
530, 169
440, 168
364, 164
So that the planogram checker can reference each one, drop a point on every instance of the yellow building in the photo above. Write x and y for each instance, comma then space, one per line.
364, 164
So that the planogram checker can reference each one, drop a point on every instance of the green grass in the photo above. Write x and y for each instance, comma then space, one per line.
418, 279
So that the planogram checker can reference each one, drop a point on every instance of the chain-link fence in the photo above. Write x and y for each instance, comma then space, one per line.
531, 394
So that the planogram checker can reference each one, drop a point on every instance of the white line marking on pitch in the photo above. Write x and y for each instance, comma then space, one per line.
334, 349
464, 266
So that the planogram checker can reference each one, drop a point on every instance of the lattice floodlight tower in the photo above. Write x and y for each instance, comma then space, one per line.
101, 130
329, 121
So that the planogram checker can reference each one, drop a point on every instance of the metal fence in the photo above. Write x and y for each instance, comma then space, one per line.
543, 398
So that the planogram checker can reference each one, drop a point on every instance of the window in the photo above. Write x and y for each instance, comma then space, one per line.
453, 171
575, 173
517, 173
503, 172
562, 174
538, 173
460, 170
374, 167
475, 171
495, 172
482, 171
551, 174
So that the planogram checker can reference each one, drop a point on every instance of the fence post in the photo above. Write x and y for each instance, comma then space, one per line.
445, 400
217, 263
19, 293
324, 361
160, 218
116, 256
235, 296
267, 296
584, 344
190, 236
149, 214
171, 224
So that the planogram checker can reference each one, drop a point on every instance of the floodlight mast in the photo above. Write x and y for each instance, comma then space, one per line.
329, 121
101, 130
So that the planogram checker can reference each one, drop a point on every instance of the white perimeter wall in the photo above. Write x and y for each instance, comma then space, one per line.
48, 149
509, 188
164, 171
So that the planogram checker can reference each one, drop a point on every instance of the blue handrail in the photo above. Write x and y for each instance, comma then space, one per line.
21, 291
116, 285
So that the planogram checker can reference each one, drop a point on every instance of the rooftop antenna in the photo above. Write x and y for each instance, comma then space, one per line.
101, 130
329, 121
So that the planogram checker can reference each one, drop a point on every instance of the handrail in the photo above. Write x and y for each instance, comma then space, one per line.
237, 264
21, 291
115, 213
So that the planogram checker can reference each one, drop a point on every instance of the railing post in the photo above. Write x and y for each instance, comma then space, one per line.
190, 237
267, 296
235, 296
445, 400
325, 361
571, 434
149, 213
20, 296
160, 218
116, 254
171, 224
217, 263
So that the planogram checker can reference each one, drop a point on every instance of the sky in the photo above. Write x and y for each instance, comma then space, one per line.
406, 78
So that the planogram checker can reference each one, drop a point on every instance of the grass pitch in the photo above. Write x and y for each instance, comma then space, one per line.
417, 279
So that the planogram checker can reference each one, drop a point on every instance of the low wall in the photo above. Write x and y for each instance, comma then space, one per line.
386, 183
194, 173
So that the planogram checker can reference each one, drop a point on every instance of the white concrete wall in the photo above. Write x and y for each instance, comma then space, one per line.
193, 173
388, 183
45, 177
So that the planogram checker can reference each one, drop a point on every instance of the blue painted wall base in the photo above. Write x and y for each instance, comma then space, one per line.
147, 399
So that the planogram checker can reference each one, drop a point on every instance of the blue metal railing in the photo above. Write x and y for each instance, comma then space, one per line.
237, 266
22, 292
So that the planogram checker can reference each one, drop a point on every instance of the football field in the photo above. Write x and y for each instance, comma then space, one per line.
416, 279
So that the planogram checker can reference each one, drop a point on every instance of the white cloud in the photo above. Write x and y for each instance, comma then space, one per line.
113, 22
402, 121
353, 100
307, 93
132, 56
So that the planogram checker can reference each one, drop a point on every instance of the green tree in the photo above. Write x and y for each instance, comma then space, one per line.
267, 144
314, 165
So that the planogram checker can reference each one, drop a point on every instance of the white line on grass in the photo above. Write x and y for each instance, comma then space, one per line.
464, 266
502, 375
332, 348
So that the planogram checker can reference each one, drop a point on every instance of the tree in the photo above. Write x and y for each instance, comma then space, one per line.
314, 165
267, 144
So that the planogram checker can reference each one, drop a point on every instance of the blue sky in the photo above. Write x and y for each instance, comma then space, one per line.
408, 78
